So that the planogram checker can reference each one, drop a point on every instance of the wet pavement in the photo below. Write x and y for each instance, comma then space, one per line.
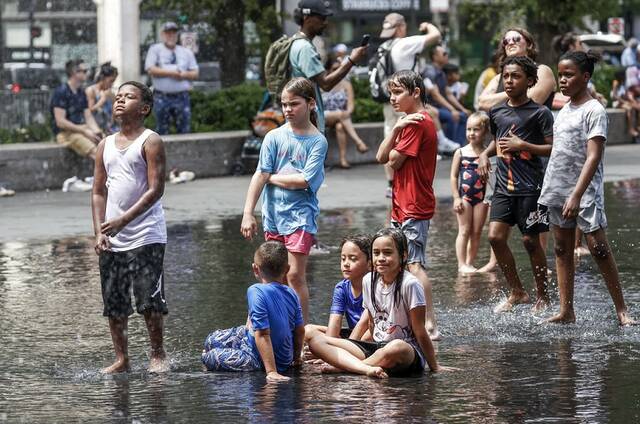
48, 214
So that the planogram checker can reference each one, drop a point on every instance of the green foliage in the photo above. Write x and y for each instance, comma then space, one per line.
228, 109
470, 75
366, 109
602, 78
28, 134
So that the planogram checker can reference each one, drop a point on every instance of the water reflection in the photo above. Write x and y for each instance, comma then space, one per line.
54, 339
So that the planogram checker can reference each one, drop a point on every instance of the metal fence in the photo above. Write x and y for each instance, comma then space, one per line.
24, 108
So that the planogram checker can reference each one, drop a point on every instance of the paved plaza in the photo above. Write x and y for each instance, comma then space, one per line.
54, 214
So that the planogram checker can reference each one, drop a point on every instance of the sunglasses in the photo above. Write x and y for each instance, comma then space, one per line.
516, 39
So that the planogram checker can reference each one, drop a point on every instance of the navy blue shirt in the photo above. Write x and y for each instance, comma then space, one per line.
73, 103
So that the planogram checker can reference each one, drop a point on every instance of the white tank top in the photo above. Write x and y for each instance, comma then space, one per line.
126, 183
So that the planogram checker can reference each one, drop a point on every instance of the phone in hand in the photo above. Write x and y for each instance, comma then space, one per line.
365, 40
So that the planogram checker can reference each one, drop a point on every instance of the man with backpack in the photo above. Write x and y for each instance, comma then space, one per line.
398, 53
304, 59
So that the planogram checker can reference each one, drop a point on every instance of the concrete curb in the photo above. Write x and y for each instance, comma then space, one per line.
39, 166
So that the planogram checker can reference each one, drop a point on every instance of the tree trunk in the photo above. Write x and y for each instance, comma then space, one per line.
230, 42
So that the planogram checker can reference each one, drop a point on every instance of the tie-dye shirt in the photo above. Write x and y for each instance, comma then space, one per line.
573, 128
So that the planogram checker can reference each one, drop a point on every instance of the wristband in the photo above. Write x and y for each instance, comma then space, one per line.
351, 60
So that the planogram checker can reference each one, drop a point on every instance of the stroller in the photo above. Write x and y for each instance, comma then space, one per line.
268, 117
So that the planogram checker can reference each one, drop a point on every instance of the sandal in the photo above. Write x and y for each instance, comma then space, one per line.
362, 148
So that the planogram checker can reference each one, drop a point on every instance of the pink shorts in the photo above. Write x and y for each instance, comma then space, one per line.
297, 242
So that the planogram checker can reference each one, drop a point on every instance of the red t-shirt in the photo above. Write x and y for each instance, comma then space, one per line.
413, 182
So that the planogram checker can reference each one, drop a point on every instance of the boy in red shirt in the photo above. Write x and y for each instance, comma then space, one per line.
411, 150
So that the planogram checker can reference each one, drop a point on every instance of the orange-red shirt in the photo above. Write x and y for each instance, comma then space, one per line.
413, 183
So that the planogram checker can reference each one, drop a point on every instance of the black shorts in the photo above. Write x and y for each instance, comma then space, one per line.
414, 369
140, 269
523, 211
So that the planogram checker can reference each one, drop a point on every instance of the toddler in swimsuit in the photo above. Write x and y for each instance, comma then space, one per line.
468, 191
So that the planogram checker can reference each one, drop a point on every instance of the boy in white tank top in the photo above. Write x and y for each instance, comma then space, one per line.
129, 224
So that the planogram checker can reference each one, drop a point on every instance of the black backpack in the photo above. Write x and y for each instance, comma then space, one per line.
380, 69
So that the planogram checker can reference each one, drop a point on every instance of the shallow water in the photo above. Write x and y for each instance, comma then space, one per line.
54, 338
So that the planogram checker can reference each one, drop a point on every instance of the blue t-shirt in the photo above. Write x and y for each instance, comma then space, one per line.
276, 307
285, 211
345, 303
306, 62
73, 103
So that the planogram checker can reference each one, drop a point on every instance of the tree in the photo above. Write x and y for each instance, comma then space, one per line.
543, 18
226, 21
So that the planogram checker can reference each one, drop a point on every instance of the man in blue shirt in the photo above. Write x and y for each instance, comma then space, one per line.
172, 68
273, 336
305, 61
73, 123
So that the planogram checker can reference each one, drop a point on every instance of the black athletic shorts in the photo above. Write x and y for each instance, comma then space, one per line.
414, 369
522, 211
139, 269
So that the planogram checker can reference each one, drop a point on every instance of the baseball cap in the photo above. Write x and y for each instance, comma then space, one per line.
391, 21
315, 7
169, 26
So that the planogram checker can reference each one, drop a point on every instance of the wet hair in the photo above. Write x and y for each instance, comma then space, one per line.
563, 43
72, 65
400, 242
532, 48
482, 118
408, 80
145, 93
304, 88
585, 61
272, 258
106, 70
363, 242
528, 66
450, 68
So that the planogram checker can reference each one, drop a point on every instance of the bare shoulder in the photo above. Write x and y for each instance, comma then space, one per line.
154, 141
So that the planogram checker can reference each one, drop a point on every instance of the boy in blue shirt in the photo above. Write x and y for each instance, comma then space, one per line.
273, 336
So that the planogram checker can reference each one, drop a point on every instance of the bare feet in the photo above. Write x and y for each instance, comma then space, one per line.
563, 318
377, 372
541, 305
159, 364
330, 369
344, 164
625, 319
466, 269
489, 267
120, 365
508, 304
581, 251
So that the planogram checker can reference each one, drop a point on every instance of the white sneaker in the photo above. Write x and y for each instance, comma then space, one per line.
79, 186
447, 146
89, 180
67, 183
5, 192
176, 177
